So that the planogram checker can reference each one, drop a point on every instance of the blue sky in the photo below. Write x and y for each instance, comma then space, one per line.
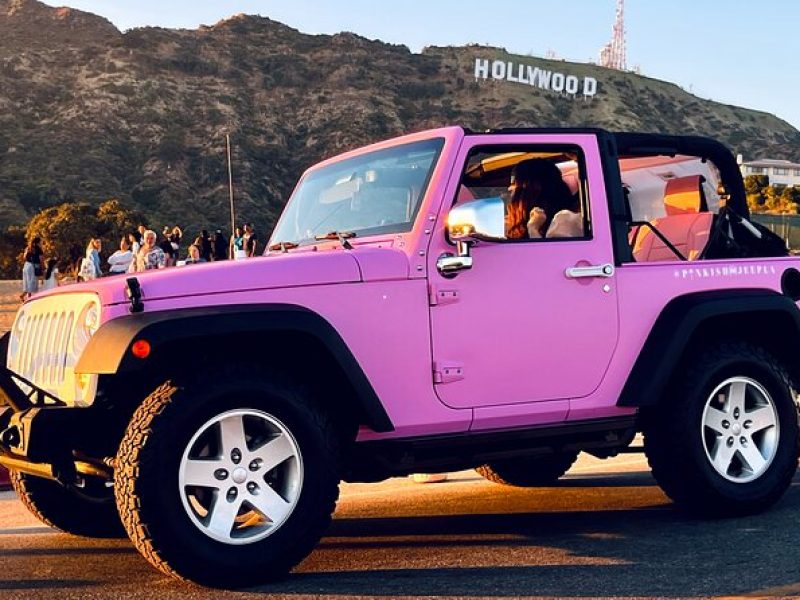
733, 51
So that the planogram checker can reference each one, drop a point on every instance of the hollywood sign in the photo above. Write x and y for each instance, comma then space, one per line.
535, 77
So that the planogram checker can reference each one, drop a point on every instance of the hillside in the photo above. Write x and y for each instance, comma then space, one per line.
88, 113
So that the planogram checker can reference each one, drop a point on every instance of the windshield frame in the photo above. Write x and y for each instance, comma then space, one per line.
370, 232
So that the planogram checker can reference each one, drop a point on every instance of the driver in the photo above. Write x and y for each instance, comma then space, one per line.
540, 203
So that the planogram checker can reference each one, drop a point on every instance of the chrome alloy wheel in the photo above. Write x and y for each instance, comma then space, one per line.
240, 476
740, 429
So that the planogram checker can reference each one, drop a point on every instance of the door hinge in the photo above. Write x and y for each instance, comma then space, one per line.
447, 372
439, 296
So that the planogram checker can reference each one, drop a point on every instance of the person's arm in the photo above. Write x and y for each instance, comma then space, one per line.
566, 224
535, 222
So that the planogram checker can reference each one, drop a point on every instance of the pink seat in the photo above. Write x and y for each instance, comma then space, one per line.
687, 225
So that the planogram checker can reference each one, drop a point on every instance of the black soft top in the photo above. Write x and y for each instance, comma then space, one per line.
633, 144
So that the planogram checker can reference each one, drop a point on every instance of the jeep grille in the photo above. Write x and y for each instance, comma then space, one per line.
46, 342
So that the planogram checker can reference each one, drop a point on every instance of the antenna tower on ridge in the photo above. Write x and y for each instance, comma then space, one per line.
612, 55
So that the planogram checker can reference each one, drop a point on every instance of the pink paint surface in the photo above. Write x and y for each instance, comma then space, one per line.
528, 345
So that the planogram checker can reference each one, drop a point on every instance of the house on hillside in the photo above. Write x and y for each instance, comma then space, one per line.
780, 172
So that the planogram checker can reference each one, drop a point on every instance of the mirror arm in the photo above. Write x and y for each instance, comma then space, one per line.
449, 265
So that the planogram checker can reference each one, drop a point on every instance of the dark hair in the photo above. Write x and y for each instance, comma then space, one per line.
33, 243
554, 195
136, 236
51, 264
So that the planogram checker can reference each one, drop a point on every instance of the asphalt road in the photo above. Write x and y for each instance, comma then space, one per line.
606, 531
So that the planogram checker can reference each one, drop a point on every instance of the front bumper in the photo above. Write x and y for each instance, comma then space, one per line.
39, 434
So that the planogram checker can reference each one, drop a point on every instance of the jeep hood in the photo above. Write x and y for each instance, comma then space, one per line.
261, 273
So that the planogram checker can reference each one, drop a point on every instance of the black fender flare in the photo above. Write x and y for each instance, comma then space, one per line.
109, 350
676, 325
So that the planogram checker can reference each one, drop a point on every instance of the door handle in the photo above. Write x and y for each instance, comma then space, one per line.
606, 270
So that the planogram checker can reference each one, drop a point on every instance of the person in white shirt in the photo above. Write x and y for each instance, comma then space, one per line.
565, 224
120, 261
540, 204
50, 275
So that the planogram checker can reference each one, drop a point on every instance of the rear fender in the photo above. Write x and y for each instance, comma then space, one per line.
687, 321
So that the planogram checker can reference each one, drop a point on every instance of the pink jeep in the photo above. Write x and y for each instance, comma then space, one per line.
440, 301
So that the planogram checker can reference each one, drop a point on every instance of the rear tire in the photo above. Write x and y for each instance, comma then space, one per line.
725, 439
213, 532
67, 510
529, 472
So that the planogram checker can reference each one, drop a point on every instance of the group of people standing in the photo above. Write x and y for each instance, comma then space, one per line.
140, 250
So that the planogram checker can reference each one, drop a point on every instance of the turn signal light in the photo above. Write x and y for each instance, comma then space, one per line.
141, 349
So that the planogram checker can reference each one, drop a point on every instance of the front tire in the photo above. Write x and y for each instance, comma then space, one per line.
71, 511
228, 484
725, 439
529, 472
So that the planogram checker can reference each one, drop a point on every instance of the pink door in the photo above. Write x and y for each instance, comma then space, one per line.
516, 327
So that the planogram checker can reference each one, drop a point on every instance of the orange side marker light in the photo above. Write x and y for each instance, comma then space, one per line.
141, 349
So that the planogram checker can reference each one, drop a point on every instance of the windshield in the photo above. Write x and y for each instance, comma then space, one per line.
375, 193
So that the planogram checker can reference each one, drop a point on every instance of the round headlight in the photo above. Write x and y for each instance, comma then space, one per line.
87, 322
91, 320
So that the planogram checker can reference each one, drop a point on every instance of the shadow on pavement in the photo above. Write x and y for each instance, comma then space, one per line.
600, 480
564, 548
632, 552
43, 584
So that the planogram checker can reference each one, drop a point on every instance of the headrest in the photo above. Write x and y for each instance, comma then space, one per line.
684, 195
571, 179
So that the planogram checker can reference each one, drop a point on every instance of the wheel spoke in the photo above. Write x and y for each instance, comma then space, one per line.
223, 515
274, 452
232, 435
736, 393
201, 473
241, 461
714, 418
752, 456
270, 504
723, 455
760, 418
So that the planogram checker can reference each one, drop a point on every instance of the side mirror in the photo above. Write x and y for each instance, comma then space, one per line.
468, 223
478, 220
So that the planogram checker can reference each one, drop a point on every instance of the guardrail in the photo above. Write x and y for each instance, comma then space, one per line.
786, 226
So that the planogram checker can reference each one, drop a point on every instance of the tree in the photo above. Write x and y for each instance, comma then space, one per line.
780, 200
790, 195
755, 184
65, 230
756, 187
114, 221
12, 247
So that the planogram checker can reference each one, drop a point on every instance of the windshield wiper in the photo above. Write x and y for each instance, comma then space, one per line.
284, 246
342, 236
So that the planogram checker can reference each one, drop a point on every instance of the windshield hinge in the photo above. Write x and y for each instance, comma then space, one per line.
447, 372
438, 296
